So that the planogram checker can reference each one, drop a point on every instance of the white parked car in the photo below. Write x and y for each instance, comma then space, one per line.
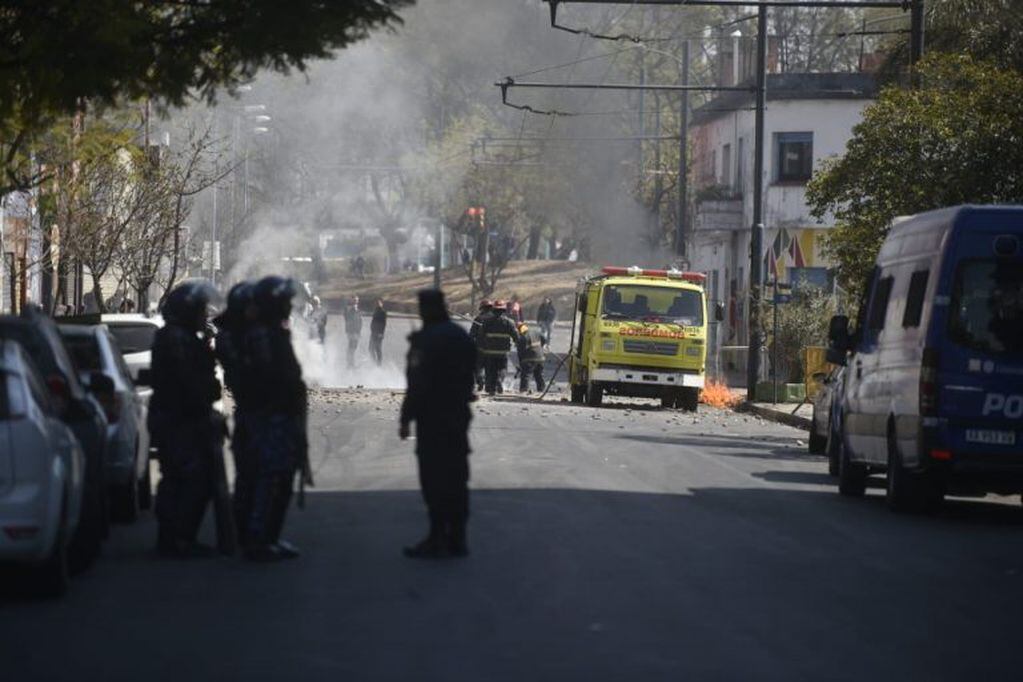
41, 475
93, 350
134, 334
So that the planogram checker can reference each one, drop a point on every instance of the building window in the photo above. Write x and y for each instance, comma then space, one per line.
794, 157
738, 164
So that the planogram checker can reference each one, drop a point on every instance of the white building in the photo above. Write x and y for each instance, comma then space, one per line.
809, 118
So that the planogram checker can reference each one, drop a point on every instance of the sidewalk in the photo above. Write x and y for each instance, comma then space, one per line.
782, 413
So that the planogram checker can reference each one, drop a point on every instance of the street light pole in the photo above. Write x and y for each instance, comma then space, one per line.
757, 228
681, 249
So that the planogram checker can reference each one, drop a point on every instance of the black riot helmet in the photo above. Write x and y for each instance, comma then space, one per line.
272, 296
239, 302
186, 304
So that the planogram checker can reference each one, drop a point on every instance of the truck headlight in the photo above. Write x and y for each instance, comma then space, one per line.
608, 345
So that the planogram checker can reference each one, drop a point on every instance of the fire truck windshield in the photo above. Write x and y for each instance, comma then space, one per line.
653, 304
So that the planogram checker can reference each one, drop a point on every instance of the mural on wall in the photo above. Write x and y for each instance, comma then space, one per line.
792, 257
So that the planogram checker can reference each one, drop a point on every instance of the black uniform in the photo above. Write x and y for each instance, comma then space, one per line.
476, 334
377, 327
499, 335
440, 387
183, 426
531, 359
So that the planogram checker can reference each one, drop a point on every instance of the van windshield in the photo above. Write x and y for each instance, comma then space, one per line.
987, 306
653, 304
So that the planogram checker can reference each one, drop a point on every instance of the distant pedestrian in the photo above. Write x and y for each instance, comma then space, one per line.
531, 358
499, 337
545, 316
317, 320
515, 310
377, 327
353, 329
441, 359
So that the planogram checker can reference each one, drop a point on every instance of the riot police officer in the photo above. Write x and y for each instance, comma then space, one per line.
232, 325
182, 422
275, 420
499, 335
441, 362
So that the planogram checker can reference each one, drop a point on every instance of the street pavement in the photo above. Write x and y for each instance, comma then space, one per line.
622, 543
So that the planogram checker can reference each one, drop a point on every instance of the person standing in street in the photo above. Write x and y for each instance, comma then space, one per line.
353, 329
545, 316
476, 334
440, 368
531, 358
276, 424
515, 310
499, 336
377, 327
317, 319
182, 421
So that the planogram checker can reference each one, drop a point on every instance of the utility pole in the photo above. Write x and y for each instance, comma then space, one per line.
916, 31
681, 248
756, 246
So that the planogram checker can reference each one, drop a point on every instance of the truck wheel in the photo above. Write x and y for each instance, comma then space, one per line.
688, 399
594, 394
852, 477
668, 399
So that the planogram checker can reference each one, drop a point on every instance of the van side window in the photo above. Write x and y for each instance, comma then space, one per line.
915, 299
879, 306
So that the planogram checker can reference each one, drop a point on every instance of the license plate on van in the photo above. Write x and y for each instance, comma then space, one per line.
990, 437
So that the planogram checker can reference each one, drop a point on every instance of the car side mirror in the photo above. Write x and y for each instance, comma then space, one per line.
100, 383
144, 377
719, 311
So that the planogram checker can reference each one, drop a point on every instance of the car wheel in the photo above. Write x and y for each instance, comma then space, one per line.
126, 502
87, 541
832, 449
852, 477
594, 394
146, 489
52, 578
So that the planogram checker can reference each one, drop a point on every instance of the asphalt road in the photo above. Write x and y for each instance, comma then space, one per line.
627, 543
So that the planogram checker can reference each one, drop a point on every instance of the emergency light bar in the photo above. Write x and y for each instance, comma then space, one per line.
635, 271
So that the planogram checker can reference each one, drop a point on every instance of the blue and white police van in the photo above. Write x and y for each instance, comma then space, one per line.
933, 394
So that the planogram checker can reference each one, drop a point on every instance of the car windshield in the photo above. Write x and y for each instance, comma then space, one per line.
987, 306
653, 304
133, 338
84, 352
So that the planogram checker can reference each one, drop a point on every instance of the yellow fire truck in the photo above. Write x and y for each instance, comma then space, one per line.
640, 333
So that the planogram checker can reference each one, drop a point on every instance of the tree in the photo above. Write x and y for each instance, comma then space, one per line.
57, 53
953, 140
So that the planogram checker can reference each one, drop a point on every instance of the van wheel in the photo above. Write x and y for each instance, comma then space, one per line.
594, 394
818, 443
52, 578
852, 477
908, 491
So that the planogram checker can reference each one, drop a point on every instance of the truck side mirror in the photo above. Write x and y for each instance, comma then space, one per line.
719, 311
581, 307
838, 340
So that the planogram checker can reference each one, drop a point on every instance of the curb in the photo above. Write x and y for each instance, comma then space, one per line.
779, 416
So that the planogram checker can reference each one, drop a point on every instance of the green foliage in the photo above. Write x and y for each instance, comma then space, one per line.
956, 139
802, 322
57, 53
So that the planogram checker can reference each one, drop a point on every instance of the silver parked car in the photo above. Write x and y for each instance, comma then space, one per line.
94, 350
825, 408
41, 475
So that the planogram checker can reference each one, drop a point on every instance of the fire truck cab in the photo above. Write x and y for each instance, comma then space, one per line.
639, 333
